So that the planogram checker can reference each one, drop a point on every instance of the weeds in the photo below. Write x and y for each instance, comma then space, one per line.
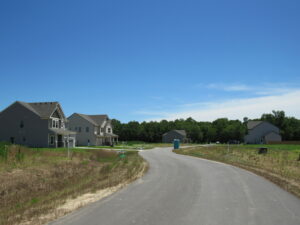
36, 181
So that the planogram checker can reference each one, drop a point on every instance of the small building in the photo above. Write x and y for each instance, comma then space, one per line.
174, 134
262, 132
36, 124
95, 130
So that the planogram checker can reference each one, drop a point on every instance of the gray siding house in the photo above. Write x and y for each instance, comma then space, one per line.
93, 130
261, 132
174, 134
37, 124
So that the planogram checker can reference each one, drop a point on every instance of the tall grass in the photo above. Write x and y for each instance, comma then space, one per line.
36, 181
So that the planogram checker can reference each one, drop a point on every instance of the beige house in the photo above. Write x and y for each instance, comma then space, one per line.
95, 130
35, 124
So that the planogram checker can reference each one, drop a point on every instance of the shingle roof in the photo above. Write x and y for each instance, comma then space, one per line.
252, 124
61, 131
99, 119
94, 119
182, 132
42, 109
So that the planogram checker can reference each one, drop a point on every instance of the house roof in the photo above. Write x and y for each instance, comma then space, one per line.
182, 132
252, 124
272, 132
97, 120
108, 135
61, 131
42, 109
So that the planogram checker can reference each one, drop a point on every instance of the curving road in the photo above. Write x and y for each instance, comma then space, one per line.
182, 190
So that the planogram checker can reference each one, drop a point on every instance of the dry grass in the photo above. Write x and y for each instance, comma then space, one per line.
34, 182
278, 165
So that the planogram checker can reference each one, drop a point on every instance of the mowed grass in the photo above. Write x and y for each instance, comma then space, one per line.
281, 164
34, 182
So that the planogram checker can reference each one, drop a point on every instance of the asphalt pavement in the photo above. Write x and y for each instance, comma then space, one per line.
183, 190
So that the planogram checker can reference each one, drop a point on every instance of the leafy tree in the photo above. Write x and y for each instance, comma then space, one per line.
221, 129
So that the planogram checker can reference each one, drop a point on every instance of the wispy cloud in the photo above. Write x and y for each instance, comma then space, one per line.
235, 108
256, 89
229, 87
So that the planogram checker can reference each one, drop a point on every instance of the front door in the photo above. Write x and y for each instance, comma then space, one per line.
60, 142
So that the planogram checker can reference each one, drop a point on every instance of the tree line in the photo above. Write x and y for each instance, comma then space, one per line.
222, 129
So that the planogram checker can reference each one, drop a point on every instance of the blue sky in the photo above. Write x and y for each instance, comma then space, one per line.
153, 59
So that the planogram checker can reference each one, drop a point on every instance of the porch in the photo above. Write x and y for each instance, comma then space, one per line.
107, 139
60, 138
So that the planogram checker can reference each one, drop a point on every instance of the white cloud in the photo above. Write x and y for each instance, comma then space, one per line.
259, 89
236, 108
229, 87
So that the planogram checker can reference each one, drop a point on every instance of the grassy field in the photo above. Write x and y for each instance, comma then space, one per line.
281, 164
135, 145
34, 182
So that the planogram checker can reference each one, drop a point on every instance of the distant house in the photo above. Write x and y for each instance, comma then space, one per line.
174, 134
93, 130
37, 124
261, 132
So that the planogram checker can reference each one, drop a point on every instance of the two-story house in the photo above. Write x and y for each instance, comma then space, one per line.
93, 130
37, 124
262, 132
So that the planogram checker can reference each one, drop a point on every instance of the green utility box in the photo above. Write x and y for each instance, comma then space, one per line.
176, 143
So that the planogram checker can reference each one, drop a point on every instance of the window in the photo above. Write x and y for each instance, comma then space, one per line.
24, 139
79, 129
109, 130
102, 130
52, 140
53, 123
87, 129
21, 124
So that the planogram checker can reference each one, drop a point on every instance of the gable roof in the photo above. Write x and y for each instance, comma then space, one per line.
96, 120
272, 132
42, 109
182, 132
252, 124
99, 119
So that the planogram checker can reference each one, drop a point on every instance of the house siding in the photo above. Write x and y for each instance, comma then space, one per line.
272, 137
33, 134
258, 133
83, 137
98, 130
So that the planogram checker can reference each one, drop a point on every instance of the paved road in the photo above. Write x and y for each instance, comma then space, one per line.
182, 190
